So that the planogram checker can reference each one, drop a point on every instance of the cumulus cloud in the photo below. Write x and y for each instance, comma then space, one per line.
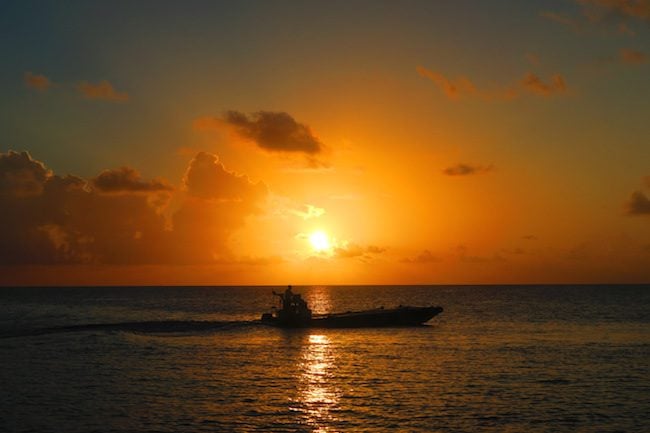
463, 169
48, 219
218, 203
37, 81
207, 178
102, 90
127, 179
425, 256
270, 130
462, 87
632, 57
637, 204
20, 175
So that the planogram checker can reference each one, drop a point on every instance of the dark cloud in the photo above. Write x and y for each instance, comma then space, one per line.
102, 90
274, 131
21, 175
36, 81
637, 204
127, 179
48, 219
425, 256
529, 237
462, 169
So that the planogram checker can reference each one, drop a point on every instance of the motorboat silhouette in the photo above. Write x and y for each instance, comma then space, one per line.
294, 313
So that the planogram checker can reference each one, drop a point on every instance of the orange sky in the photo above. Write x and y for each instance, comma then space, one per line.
376, 144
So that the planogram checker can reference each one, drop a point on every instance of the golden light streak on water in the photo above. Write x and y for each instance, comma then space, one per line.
318, 398
319, 300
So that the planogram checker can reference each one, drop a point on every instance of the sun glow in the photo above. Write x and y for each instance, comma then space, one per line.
319, 241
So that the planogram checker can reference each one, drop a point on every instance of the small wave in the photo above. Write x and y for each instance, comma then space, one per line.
554, 381
148, 327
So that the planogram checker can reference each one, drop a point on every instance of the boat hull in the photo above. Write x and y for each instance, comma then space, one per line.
380, 318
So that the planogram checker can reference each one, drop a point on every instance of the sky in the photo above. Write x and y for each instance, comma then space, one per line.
324, 142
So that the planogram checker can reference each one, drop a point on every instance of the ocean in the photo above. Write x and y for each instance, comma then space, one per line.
196, 359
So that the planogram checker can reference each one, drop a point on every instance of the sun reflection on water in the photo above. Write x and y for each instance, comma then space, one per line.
319, 300
318, 398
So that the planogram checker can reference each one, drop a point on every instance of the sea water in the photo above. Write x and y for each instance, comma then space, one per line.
175, 359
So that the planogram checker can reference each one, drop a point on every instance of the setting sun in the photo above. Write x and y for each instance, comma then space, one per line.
319, 241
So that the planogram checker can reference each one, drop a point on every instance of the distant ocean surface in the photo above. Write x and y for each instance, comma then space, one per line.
196, 359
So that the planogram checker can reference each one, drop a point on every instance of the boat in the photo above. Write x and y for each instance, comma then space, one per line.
294, 313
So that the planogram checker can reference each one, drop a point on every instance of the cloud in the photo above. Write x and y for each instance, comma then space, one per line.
572, 23
463, 169
530, 237
454, 89
38, 82
207, 178
217, 204
308, 211
269, 130
353, 250
127, 179
49, 219
425, 256
285, 207
20, 175
536, 85
602, 13
598, 10
102, 90
462, 87
632, 57
637, 204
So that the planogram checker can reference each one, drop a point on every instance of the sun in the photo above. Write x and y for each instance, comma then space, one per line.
319, 241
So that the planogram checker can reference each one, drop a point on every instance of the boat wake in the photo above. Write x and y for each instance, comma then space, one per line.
147, 327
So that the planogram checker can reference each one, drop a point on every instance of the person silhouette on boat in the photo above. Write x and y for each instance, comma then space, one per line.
293, 306
286, 298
